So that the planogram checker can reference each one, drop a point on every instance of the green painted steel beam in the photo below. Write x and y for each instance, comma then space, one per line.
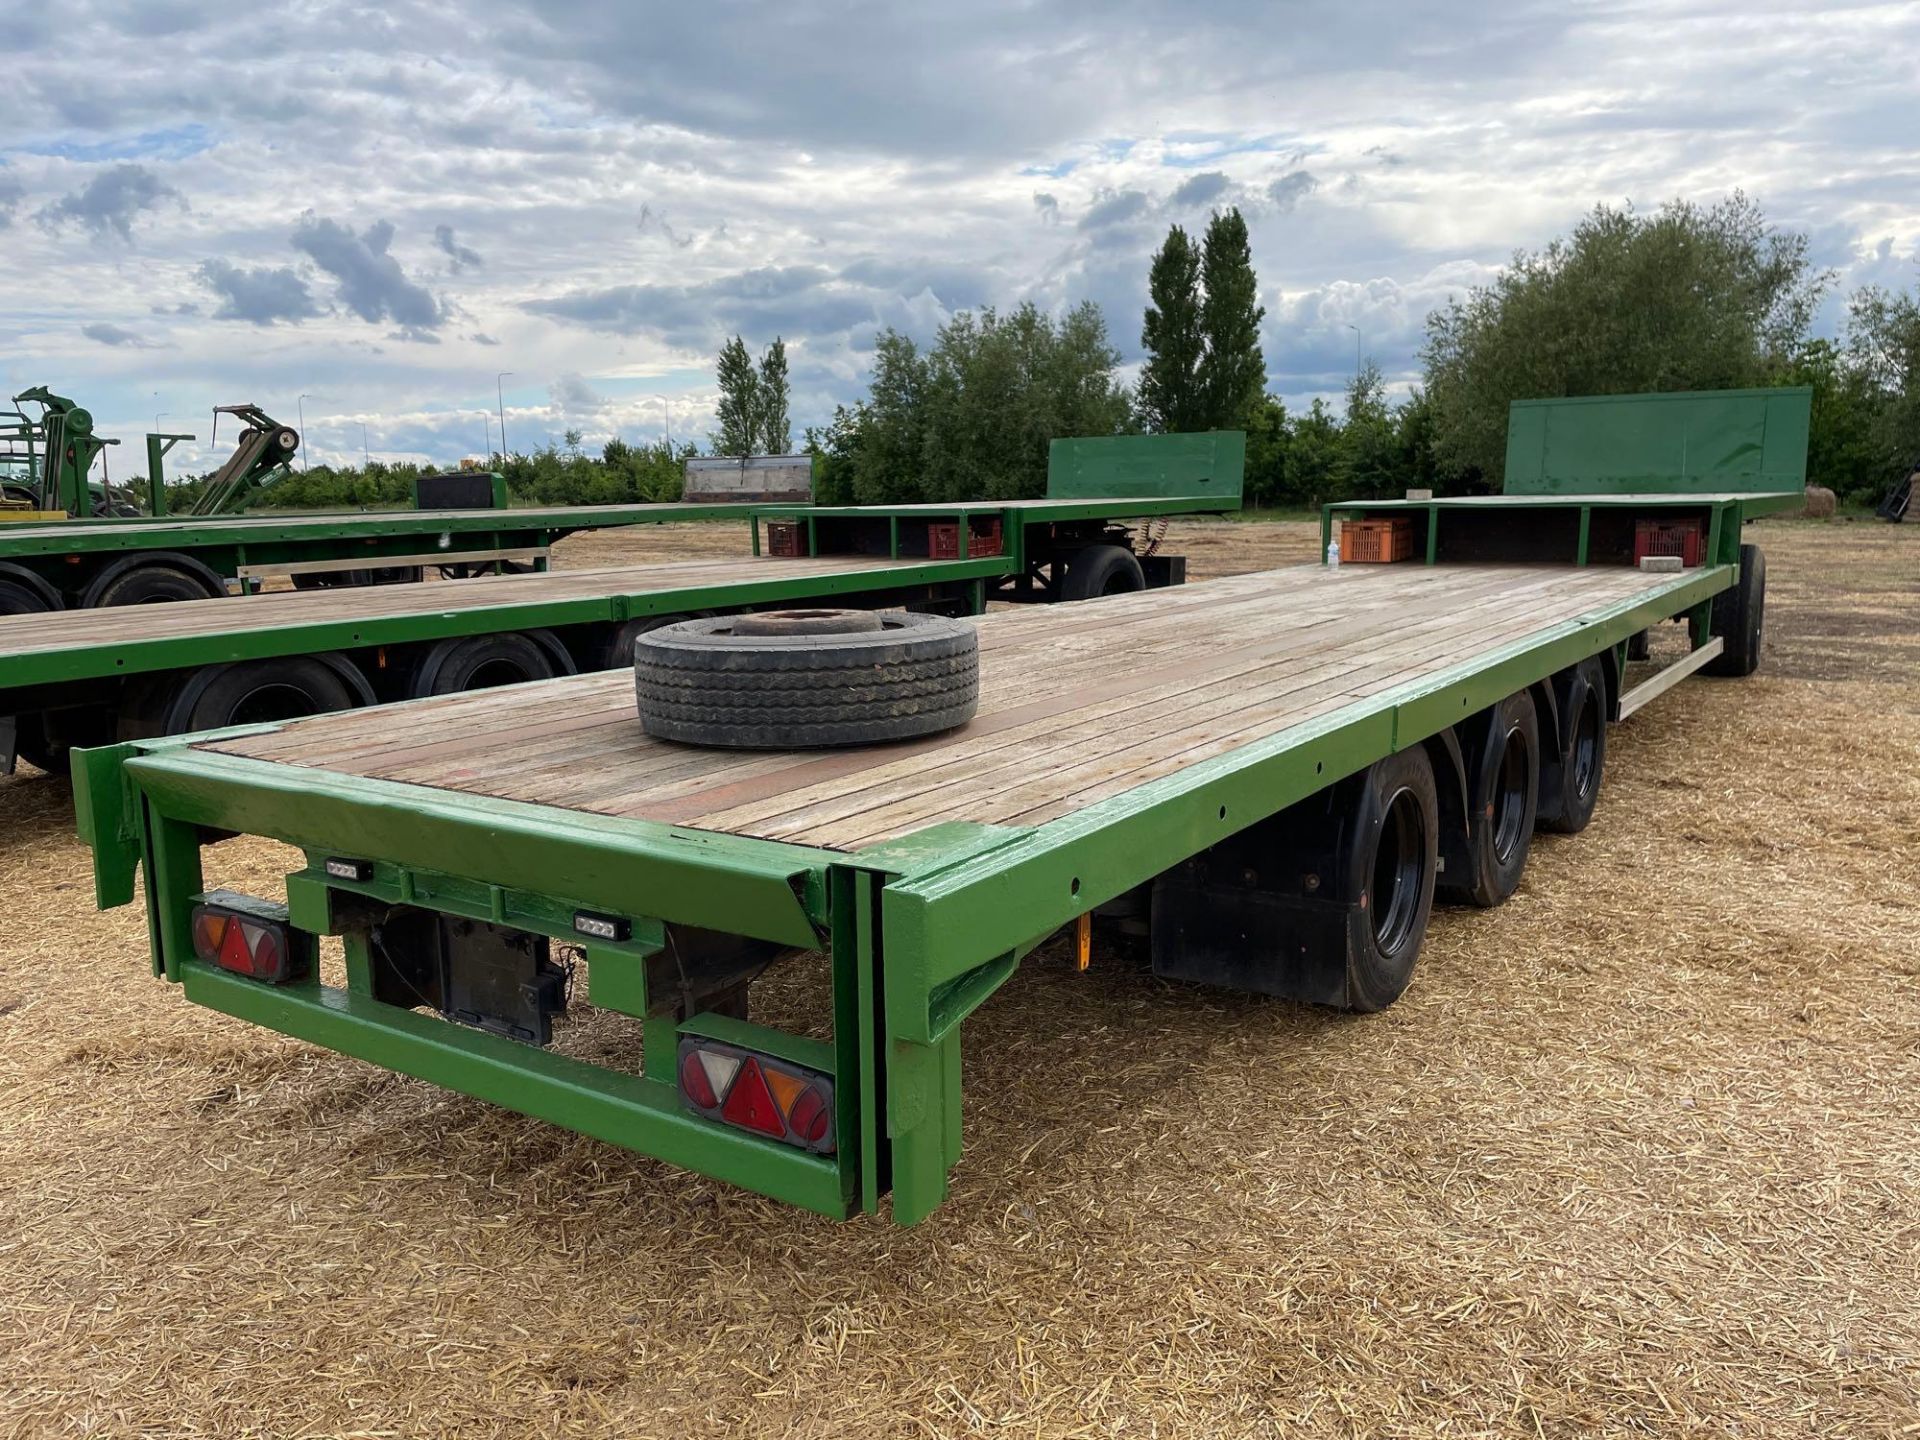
260, 532
245, 639
626, 1110
758, 888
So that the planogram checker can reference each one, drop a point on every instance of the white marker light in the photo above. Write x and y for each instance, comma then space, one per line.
602, 927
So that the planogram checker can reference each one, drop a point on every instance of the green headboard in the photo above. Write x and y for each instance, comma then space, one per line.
1682, 443
1210, 465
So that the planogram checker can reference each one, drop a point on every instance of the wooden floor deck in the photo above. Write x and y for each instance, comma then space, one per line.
1077, 704
71, 629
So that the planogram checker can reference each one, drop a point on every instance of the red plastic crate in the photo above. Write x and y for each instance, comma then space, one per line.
1685, 538
943, 539
1376, 542
786, 538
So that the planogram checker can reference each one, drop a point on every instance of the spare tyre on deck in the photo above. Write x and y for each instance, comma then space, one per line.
805, 679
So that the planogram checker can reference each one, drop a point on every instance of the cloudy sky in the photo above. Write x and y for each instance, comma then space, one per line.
381, 208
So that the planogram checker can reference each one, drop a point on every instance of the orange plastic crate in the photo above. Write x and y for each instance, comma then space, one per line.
786, 538
1669, 537
1376, 542
943, 540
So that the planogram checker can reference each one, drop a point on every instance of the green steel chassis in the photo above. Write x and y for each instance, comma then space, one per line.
919, 931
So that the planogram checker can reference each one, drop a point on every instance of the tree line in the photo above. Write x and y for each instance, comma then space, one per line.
1689, 297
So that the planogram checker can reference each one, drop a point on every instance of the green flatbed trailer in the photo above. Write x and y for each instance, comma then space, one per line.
81, 677
83, 564
1268, 777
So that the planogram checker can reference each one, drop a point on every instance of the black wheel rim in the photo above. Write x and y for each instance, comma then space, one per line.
267, 703
489, 673
1510, 800
1399, 865
1586, 749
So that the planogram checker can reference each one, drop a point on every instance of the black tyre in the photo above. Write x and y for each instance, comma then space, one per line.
617, 651
1395, 855
1503, 782
352, 579
704, 683
150, 585
24, 593
47, 741
1739, 617
480, 662
1101, 570
246, 692
1570, 790
30, 744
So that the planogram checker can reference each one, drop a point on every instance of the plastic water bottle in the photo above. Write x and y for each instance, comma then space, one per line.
1333, 554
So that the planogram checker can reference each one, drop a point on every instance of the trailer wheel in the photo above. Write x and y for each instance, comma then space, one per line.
1325, 902
1505, 781
1567, 804
1101, 570
30, 743
352, 579
151, 583
1397, 843
24, 593
480, 662
617, 652
704, 682
1739, 616
48, 740
256, 692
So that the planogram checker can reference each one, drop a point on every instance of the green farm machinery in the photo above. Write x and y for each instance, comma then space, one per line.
47, 459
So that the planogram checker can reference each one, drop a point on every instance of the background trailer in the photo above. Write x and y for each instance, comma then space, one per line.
88, 677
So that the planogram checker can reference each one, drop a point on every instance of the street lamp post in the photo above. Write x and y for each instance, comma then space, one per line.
302, 403
500, 396
366, 459
1359, 343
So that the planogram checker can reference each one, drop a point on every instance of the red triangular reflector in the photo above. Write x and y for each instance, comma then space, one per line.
750, 1104
234, 954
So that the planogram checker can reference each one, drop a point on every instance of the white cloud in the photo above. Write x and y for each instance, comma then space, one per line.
638, 190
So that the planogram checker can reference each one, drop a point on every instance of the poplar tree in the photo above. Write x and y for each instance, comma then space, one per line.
739, 409
773, 430
1233, 372
1169, 396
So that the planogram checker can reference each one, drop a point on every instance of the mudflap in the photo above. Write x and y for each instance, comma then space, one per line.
1268, 910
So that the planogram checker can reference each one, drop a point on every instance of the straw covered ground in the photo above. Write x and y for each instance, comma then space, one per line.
1639, 1153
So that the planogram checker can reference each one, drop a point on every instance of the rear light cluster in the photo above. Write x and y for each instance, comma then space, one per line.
758, 1093
251, 937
